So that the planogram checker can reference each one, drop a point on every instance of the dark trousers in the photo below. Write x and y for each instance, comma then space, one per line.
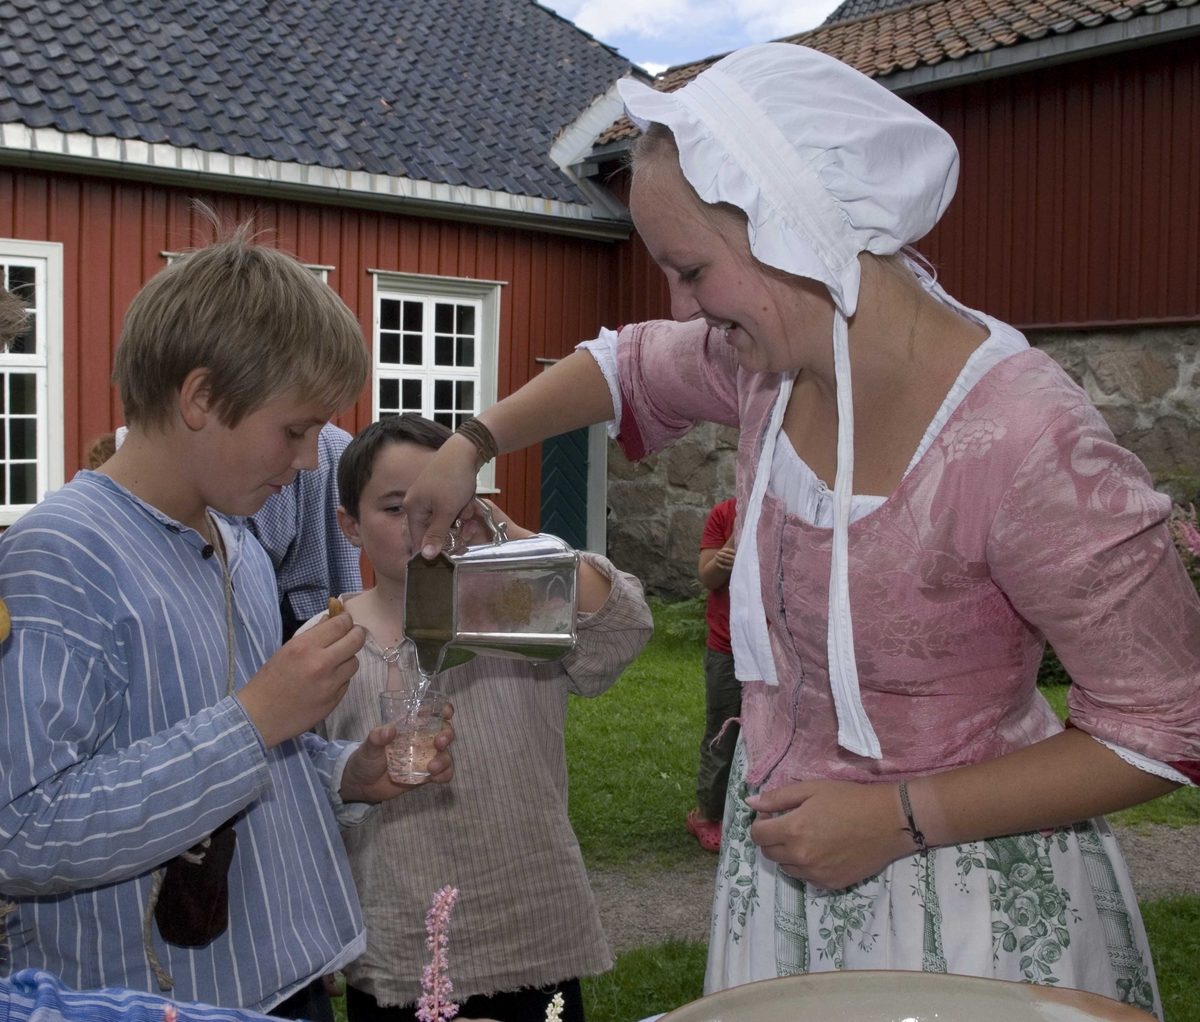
311, 1003
528, 1004
722, 701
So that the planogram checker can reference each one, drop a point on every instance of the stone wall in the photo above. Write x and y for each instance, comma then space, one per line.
1145, 381
657, 508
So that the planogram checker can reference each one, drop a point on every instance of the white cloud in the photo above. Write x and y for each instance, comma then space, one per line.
652, 19
653, 68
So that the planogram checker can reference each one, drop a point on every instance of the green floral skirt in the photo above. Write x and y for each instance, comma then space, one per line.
1053, 907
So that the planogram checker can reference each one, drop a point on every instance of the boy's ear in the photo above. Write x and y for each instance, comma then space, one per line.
349, 527
195, 399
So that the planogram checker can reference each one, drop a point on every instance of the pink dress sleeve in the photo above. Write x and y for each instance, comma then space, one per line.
1081, 548
673, 375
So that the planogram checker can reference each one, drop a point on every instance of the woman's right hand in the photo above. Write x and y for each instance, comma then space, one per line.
442, 493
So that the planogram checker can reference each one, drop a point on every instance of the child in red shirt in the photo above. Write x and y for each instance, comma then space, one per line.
722, 690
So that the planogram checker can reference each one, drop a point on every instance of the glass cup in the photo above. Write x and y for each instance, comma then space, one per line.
417, 724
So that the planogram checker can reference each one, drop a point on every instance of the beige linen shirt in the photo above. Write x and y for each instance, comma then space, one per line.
499, 831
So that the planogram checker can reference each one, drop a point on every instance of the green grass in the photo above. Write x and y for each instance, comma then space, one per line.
633, 753
646, 981
1173, 926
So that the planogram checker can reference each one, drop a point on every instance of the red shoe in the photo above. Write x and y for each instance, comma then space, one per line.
707, 832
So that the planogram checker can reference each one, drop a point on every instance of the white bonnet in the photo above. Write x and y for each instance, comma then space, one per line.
826, 164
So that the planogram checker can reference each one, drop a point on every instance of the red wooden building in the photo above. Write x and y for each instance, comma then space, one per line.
405, 154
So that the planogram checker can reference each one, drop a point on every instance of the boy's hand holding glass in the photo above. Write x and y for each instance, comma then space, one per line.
304, 681
366, 777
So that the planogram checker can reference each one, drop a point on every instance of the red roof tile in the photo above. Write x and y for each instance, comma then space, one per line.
928, 32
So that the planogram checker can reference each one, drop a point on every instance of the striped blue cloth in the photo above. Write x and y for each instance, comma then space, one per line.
32, 996
298, 528
119, 749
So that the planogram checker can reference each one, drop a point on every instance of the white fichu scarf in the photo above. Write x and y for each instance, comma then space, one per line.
826, 164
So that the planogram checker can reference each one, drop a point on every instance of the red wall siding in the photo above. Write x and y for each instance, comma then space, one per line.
1078, 198
559, 291
1079, 192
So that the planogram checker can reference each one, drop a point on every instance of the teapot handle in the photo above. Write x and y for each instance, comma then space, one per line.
499, 529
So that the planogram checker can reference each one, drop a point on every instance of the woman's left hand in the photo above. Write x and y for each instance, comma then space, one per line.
831, 833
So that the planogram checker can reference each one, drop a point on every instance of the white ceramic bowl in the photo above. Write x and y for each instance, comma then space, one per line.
901, 997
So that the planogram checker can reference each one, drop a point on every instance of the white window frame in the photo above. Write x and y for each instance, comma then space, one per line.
485, 294
47, 365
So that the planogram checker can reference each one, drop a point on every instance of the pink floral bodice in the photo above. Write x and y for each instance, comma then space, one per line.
1024, 521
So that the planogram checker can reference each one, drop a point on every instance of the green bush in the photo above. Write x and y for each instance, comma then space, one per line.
683, 620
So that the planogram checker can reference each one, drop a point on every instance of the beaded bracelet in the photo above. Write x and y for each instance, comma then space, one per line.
914, 833
479, 435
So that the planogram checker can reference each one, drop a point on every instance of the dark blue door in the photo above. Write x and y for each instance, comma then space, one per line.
564, 487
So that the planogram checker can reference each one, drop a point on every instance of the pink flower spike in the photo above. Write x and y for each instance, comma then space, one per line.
434, 1005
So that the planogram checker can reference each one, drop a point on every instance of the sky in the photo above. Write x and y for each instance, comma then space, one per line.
659, 33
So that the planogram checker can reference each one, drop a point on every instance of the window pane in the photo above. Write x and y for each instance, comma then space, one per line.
464, 395
443, 351
459, 420
22, 394
443, 394
26, 344
22, 487
466, 319
412, 316
389, 394
389, 348
389, 314
466, 351
22, 438
412, 396
388, 415
412, 349
20, 282
443, 318
445, 418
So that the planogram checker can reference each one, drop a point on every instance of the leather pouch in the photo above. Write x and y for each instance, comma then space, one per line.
193, 906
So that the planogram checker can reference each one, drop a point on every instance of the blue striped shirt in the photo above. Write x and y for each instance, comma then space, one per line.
298, 528
39, 997
119, 749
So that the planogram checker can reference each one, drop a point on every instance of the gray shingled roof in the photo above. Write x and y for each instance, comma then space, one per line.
849, 9
455, 91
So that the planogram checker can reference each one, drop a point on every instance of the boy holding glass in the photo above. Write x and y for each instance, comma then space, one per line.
166, 820
525, 926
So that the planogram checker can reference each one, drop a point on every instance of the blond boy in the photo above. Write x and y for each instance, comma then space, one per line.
149, 711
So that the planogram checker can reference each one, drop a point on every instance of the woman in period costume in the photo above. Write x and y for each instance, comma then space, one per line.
902, 796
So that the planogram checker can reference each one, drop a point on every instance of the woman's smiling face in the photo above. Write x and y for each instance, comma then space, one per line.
776, 322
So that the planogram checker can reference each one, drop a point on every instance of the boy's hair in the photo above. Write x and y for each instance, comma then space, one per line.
254, 318
358, 459
14, 318
103, 448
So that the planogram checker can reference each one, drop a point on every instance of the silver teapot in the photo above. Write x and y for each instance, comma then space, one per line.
509, 598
